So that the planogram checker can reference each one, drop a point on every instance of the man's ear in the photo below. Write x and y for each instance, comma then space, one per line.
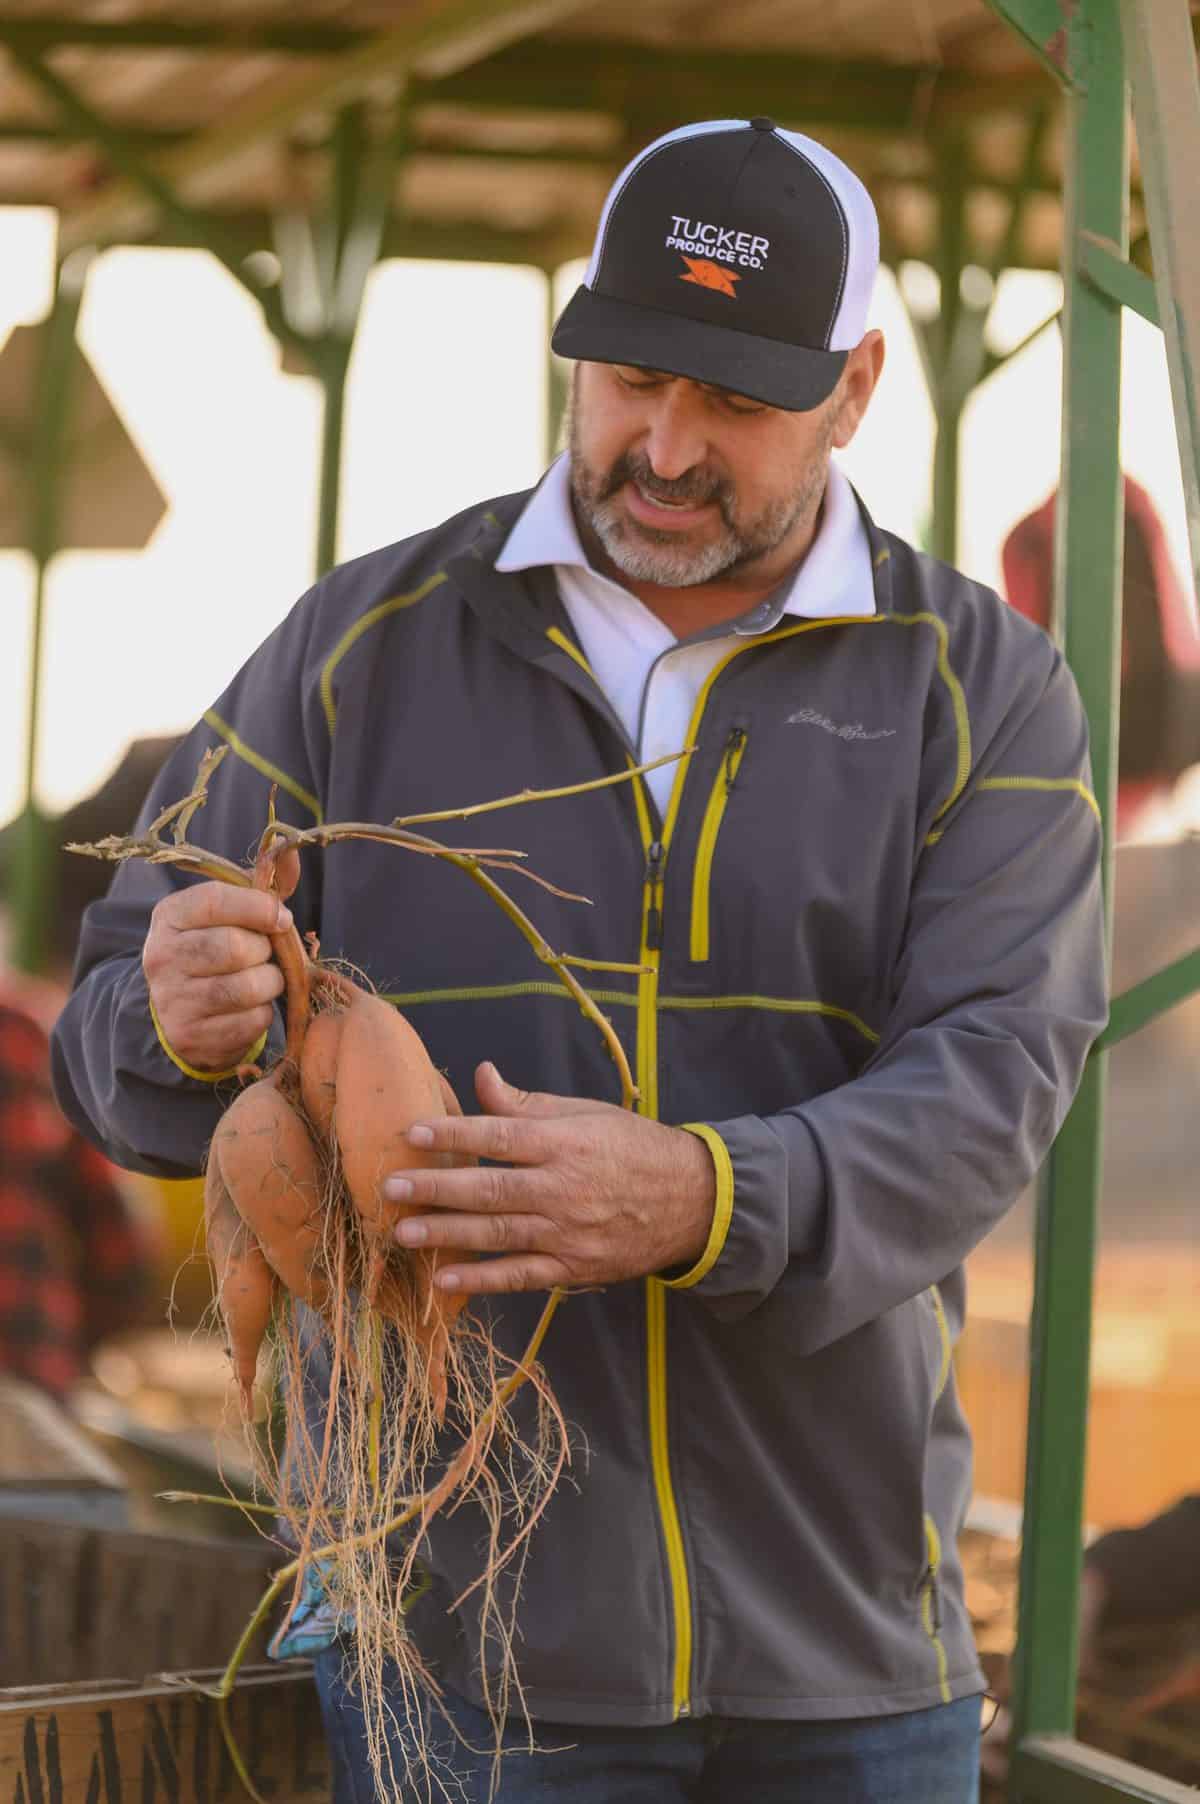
863, 368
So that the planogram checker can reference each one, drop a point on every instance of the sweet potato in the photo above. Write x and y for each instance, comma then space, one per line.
244, 1282
272, 1172
318, 1070
385, 1082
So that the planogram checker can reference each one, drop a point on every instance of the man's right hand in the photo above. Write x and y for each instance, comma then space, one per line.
208, 965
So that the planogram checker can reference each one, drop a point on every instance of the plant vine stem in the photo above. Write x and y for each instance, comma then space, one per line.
540, 795
470, 863
425, 1505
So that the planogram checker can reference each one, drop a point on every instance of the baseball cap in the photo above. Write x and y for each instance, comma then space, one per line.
735, 253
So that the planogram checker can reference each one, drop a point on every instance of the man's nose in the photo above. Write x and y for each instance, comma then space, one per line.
675, 440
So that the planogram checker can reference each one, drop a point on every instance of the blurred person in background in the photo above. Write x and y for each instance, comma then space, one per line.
1160, 653
1140, 1580
77, 1262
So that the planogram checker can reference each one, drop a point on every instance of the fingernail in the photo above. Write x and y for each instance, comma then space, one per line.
284, 917
397, 1190
412, 1233
447, 1281
420, 1136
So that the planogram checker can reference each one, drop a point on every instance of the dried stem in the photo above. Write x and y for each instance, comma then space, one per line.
540, 795
468, 1464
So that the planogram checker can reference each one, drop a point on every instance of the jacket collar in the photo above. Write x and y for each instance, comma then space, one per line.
520, 606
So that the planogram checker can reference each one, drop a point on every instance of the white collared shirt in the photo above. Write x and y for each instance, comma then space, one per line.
652, 678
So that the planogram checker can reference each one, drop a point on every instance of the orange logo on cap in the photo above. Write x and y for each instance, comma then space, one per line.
711, 276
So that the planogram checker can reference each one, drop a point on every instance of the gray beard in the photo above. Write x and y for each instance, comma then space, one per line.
646, 554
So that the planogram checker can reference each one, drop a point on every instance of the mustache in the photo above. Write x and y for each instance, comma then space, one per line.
697, 485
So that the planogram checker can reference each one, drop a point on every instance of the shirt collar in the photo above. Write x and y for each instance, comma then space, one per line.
833, 579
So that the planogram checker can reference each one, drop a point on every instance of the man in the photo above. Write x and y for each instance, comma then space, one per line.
867, 908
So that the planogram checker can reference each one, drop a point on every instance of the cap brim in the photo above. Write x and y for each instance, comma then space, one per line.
595, 328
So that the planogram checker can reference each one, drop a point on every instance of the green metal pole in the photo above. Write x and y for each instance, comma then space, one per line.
1088, 606
556, 381
948, 394
34, 888
332, 356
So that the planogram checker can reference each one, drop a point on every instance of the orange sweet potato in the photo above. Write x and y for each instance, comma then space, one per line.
245, 1283
385, 1082
318, 1070
273, 1173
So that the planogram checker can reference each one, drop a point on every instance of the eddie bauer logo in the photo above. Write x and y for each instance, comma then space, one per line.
809, 717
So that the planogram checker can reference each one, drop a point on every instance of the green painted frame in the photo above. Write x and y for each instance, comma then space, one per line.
1087, 45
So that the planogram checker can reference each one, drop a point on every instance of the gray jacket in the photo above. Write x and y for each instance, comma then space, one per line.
873, 925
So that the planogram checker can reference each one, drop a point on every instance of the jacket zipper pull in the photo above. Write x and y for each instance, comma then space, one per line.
654, 877
935, 1602
732, 745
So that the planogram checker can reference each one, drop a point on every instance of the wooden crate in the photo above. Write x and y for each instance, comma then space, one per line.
80, 1603
158, 1742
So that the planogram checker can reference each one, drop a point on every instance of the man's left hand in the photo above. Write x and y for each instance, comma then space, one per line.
584, 1193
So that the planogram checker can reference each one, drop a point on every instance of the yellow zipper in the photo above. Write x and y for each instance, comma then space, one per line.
647, 1080
714, 814
656, 1305
930, 1611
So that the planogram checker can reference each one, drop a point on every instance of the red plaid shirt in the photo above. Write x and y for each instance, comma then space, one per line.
74, 1265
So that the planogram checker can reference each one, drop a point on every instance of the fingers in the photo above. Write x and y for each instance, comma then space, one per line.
210, 973
478, 1190
490, 1277
219, 1042
212, 951
500, 1098
222, 905
484, 1137
477, 1233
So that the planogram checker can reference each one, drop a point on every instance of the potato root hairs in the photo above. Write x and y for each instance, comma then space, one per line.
243, 1281
273, 1174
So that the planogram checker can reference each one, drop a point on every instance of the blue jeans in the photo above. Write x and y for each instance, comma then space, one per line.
920, 1757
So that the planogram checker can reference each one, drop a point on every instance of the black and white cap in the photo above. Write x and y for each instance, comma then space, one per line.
735, 253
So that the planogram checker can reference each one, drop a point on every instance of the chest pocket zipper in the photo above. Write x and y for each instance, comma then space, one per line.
714, 814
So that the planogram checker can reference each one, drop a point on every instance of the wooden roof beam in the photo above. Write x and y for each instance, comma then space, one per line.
434, 41
639, 82
261, 37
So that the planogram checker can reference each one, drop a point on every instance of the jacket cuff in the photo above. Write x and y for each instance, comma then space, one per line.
769, 1209
722, 1210
202, 1077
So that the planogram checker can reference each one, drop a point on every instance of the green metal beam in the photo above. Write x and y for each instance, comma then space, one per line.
995, 360
1088, 590
144, 173
1166, 110
429, 43
1055, 1769
556, 381
1042, 24
348, 242
950, 393
1117, 277
33, 903
1143, 1002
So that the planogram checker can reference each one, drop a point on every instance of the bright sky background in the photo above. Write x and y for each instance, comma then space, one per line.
446, 405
